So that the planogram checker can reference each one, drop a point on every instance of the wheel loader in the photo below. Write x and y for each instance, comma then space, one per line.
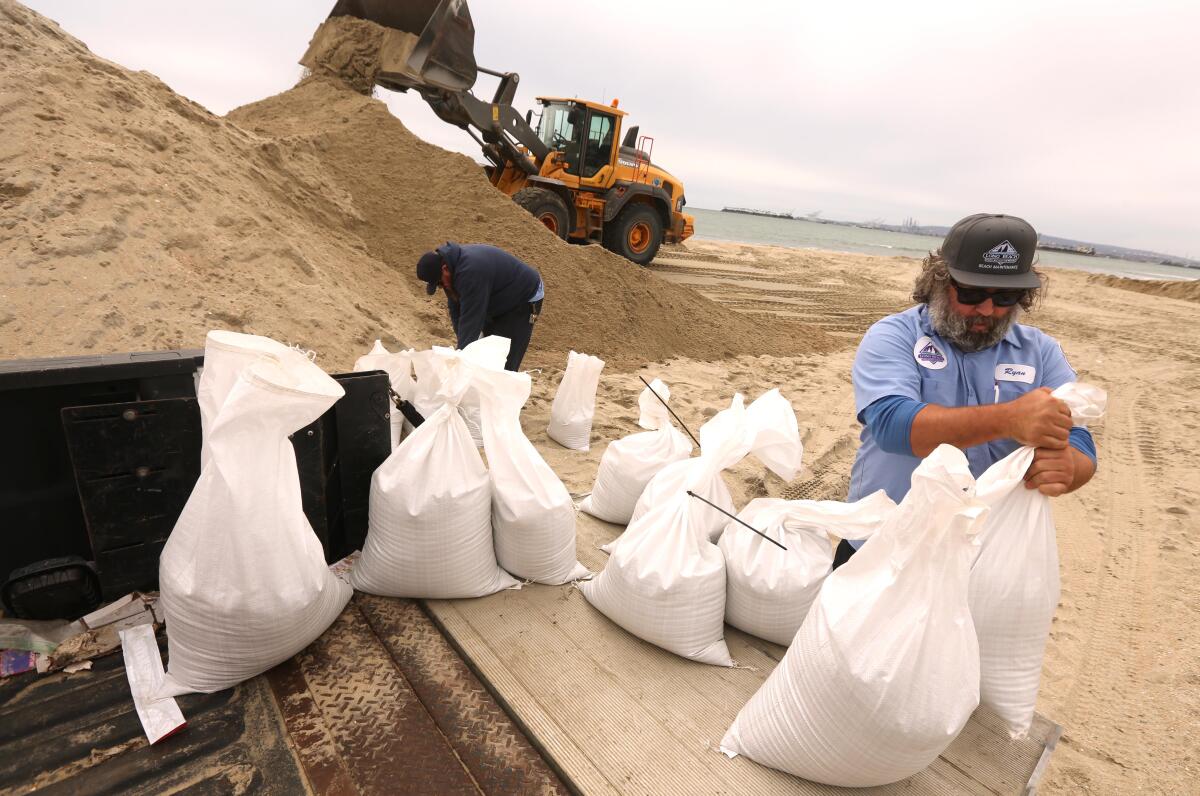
572, 170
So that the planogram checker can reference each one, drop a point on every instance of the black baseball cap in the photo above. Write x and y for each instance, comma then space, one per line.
429, 271
991, 250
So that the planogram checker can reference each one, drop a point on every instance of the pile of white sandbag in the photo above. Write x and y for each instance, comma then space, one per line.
532, 513
665, 581
770, 586
884, 672
430, 522
398, 367
1014, 587
575, 402
629, 463
774, 440
243, 579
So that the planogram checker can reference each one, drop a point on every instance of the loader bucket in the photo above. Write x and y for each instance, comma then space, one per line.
443, 53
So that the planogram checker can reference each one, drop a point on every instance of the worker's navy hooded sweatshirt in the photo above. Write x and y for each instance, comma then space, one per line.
489, 281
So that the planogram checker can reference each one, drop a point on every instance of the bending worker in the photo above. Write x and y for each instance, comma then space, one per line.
958, 369
488, 291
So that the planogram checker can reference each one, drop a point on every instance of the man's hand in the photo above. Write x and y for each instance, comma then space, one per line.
1041, 420
1052, 472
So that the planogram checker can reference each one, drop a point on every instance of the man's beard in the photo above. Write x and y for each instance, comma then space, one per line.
956, 329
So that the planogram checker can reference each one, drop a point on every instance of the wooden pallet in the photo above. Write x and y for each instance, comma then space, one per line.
617, 715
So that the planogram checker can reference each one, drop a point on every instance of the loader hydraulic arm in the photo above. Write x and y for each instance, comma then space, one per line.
502, 130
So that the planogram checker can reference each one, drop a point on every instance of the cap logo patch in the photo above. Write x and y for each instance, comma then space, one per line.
928, 355
1003, 256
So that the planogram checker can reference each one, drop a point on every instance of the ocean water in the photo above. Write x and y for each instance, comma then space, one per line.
796, 234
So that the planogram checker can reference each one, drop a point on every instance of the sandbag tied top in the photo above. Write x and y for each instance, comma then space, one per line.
769, 590
575, 402
629, 463
1014, 588
398, 367
767, 429
243, 577
226, 354
430, 528
532, 513
776, 434
652, 412
884, 672
487, 354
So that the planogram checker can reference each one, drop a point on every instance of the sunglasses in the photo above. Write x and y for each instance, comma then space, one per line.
977, 295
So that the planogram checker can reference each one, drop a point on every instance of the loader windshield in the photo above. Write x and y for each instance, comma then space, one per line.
560, 128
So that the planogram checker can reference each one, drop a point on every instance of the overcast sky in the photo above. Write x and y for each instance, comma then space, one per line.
1083, 117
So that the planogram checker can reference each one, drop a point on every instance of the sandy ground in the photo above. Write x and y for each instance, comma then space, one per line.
1122, 668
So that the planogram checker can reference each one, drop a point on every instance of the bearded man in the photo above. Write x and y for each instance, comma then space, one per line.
958, 369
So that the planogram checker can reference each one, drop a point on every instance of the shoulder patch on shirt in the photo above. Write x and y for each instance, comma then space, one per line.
1022, 373
928, 355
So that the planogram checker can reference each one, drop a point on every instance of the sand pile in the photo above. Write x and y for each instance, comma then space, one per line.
133, 219
1188, 291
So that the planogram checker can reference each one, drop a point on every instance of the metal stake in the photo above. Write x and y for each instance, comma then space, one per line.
730, 516
672, 411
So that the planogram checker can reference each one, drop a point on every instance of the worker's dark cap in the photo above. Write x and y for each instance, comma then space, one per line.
991, 250
429, 271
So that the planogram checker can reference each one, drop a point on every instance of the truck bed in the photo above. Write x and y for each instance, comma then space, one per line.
526, 691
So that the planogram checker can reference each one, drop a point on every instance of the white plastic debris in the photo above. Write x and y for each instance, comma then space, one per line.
1015, 581
532, 513
769, 588
160, 715
243, 580
629, 463
884, 672
430, 524
575, 402
398, 367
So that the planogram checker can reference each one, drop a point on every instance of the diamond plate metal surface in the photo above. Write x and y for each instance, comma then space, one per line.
358, 724
491, 746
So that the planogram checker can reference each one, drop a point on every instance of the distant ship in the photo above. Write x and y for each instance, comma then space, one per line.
748, 212
1090, 251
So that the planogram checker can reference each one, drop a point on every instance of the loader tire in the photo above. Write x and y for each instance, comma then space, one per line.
635, 234
547, 207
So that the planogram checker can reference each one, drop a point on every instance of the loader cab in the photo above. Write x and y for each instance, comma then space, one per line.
586, 134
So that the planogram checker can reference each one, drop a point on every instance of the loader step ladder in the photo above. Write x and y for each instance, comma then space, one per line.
641, 165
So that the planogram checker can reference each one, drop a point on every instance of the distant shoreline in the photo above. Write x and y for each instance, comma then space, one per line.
1045, 242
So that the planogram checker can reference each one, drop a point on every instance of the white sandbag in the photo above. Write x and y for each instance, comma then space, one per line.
776, 434
489, 354
575, 402
1015, 581
232, 352
884, 672
769, 590
532, 513
629, 463
771, 423
398, 367
243, 579
664, 581
430, 523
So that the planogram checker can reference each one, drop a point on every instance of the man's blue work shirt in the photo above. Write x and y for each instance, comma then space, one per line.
902, 355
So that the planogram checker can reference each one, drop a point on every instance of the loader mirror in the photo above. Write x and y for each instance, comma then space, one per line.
529, 117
